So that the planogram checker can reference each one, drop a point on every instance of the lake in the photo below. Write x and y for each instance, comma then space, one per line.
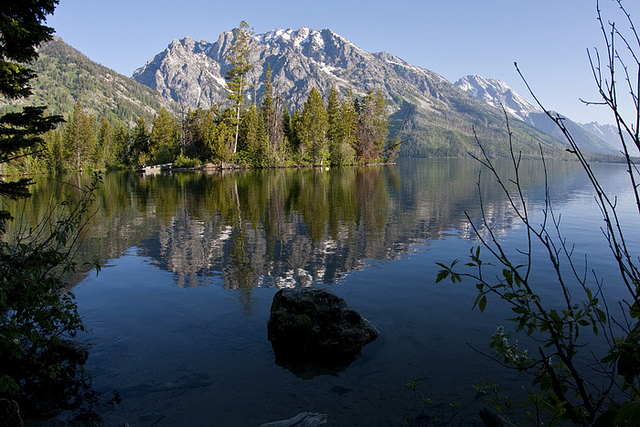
191, 261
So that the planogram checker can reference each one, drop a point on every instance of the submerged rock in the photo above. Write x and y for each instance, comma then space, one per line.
316, 325
303, 419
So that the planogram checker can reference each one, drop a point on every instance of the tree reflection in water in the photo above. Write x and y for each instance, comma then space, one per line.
284, 227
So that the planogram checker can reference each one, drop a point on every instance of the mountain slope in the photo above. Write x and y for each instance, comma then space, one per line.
431, 115
66, 75
497, 93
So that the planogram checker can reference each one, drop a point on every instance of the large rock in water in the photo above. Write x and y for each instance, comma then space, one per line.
314, 324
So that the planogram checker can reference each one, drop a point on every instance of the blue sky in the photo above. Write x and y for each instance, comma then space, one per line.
548, 38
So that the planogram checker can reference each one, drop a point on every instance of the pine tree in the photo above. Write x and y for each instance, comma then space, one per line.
21, 31
197, 131
121, 145
273, 121
222, 138
339, 132
311, 129
237, 75
163, 140
139, 150
79, 138
253, 137
372, 127
103, 155
392, 152
208, 128
289, 130
55, 151
349, 128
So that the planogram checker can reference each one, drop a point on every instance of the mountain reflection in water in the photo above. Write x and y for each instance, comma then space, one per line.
288, 227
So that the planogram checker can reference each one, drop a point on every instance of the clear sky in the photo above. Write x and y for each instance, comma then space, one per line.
548, 38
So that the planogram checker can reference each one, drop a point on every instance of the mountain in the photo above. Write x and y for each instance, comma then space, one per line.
608, 133
64, 75
431, 115
497, 93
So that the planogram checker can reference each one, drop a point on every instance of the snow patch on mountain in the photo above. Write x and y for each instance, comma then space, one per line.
498, 94
298, 37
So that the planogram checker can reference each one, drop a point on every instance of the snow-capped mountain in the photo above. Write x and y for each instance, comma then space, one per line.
192, 72
607, 133
497, 93
431, 115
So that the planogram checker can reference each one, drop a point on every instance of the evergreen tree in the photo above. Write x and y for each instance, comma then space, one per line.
273, 121
121, 145
393, 150
103, 155
21, 31
340, 130
55, 150
164, 138
289, 130
139, 151
79, 138
253, 137
349, 128
311, 129
223, 137
197, 131
237, 75
372, 127
334, 117
208, 129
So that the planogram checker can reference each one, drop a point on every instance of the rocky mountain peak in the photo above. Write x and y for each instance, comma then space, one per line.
497, 93
192, 73
292, 37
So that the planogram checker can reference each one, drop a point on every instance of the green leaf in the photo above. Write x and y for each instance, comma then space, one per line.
610, 358
629, 414
482, 304
442, 274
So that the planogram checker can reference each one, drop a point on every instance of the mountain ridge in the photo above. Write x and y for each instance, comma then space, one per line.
498, 94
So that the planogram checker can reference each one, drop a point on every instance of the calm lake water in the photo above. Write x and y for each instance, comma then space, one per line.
177, 316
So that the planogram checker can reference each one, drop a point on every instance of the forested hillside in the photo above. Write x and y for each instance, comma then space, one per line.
65, 76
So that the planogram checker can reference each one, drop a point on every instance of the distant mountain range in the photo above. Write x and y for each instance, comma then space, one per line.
607, 133
591, 137
432, 116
